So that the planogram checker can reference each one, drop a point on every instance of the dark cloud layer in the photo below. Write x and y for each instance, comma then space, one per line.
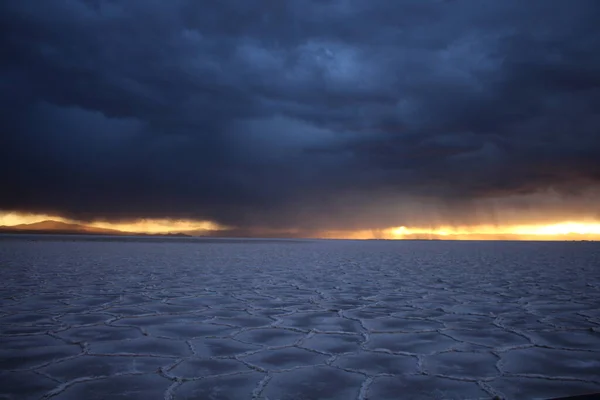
300, 113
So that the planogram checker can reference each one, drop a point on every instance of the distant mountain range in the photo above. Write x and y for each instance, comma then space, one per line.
64, 228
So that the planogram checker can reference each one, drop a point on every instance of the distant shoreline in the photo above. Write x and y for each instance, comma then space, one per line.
72, 233
125, 236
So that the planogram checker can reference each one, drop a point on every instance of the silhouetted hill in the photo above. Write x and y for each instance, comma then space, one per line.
64, 228
51, 225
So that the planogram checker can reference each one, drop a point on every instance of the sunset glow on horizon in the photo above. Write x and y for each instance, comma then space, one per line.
568, 230
158, 226
15, 218
149, 225
552, 231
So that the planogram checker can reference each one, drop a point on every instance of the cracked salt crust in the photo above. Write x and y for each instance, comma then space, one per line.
314, 319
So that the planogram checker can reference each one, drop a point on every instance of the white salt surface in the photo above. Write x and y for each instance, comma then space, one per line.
99, 318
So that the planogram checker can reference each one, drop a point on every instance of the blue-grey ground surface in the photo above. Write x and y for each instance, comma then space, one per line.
104, 318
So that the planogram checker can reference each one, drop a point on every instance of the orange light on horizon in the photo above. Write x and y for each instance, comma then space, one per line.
150, 225
560, 231
569, 230
16, 218
565, 228
158, 226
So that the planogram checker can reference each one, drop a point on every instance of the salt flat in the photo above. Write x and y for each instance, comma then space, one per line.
107, 318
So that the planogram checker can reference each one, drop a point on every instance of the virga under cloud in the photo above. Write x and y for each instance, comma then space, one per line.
301, 114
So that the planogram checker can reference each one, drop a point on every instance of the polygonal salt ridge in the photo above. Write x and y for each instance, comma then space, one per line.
520, 321
314, 382
247, 321
544, 308
233, 386
121, 311
87, 319
144, 346
15, 331
518, 387
222, 347
372, 363
193, 368
284, 358
356, 297
420, 313
271, 337
133, 299
24, 342
272, 313
393, 324
323, 321
483, 309
229, 312
99, 333
496, 339
27, 319
97, 365
15, 308
461, 321
410, 343
25, 385
200, 302
93, 301
582, 340
468, 366
104, 387
177, 326
567, 321
591, 313
33, 358
561, 364
397, 297
333, 343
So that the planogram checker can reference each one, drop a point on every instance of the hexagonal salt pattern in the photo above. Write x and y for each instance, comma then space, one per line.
233, 319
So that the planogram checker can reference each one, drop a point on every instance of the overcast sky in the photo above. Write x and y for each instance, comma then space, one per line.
309, 114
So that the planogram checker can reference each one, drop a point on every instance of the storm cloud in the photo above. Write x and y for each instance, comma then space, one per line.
310, 114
